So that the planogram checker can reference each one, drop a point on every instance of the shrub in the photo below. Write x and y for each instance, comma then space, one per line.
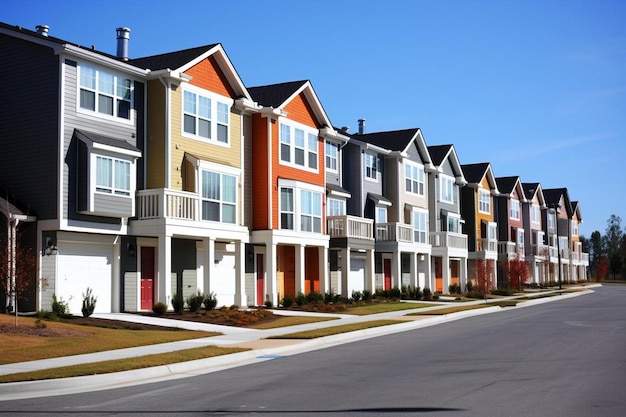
89, 303
269, 304
367, 295
194, 301
59, 307
288, 301
469, 286
395, 293
300, 299
159, 309
178, 302
210, 301
329, 296
427, 294
435, 295
40, 324
314, 297
418, 293
503, 291
356, 296
454, 289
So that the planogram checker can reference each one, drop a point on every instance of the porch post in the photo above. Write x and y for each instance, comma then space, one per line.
240, 276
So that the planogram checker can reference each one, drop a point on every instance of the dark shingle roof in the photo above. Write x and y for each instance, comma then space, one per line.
274, 95
171, 60
438, 153
530, 188
395, 140
474, 173
506, 184
105, 140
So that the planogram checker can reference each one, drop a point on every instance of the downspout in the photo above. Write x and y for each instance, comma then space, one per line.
243, 167
269, 174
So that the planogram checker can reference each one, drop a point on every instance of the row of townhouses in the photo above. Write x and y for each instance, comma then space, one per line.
139, 178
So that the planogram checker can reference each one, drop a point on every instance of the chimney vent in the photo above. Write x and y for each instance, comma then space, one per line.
43, 29
361, 126
123, 35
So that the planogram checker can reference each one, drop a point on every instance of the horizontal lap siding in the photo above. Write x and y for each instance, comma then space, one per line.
155, 154
259, 173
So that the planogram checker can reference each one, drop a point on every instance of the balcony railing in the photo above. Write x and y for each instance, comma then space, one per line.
486, 245
508, 248
542, 250
448, 240
160, 203
394, 232
350, 226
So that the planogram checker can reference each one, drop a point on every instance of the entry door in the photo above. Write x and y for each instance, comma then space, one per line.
260, 280
147, 278
387, 274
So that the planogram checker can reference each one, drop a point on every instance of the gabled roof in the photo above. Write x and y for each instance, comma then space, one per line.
531, 189
277, 96
507, 185
171, 60
553, 198
398, 141
576, 210
474, 174
439, 153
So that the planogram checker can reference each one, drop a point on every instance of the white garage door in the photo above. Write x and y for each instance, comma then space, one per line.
356, 278
82, 265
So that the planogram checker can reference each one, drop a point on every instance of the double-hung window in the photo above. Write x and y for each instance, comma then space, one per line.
454, 223
420, 228
112, 176
372, 166
105, 92
219, 197
206, 116
414, 179
298, 146
551, 220
492, 230
446, 189
484, 201
310, 211
335, 207
534, 213
514, 211
332, 154
300, 207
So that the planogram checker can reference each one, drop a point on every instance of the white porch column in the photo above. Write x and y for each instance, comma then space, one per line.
345, 271
115, 284
270, 274
396, 270
413, 270
165, 270
240, 276
324, 270
300, 270
445, 273
370, 269
463, 274
206, 263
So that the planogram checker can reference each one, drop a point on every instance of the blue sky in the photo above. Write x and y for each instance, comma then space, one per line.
537, 88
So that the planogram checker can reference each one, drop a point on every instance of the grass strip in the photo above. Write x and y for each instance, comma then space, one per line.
284, 321
120, 365
375, 308
329, 331
450, 310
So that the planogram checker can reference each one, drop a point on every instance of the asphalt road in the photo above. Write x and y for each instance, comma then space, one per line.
563, 358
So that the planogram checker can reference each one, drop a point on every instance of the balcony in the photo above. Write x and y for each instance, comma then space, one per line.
394, 232
448, 240
486, 245
542, 251
508, 248
350, 227
164, 203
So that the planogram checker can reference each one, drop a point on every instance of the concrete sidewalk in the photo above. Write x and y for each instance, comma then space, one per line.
256, 340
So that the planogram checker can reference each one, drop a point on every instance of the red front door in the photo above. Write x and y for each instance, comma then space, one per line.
147, 278
260, 280
387, 274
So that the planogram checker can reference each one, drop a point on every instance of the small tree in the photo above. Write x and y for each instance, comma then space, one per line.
484, 272
517, 272
18, 274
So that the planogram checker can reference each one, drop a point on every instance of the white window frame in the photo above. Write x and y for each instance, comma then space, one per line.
222, 203
216, 116
297, 211
520, 239
535, 214
514, 209
574, 228
292, 145
113, 185
123, 92
551, 220
484, 201
371, 165
380, 214
420, 225
454, 220
332, 156
414, 178
492, 231
446, 189
335, 207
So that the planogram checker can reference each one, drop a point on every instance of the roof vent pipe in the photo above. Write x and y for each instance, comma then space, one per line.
361, 126
123, 35
42, 29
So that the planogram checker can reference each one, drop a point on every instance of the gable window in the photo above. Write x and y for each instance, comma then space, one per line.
514, 209
414, 179
298, 146
446, 189
372, 166
219, 198
332, 153
300, 207
534, 213
105, 92
420, 228
335, 207
484, 201
205, 116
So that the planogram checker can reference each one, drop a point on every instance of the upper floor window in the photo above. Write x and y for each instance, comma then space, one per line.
381, 214
514, 209
219, 197
484, 201
446, 189
492, 230
332, 154
420, 226
113, 176
414, 178
205, 117
298, 146
574, 228
551, 220
300, 208
310, 211
454, 223
535, 213
372, 166
335, 207
105, 92
520, 239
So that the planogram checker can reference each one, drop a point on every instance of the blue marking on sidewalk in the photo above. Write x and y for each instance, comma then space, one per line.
269, 357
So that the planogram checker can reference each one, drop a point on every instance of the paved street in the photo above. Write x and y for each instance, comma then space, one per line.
562, 358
